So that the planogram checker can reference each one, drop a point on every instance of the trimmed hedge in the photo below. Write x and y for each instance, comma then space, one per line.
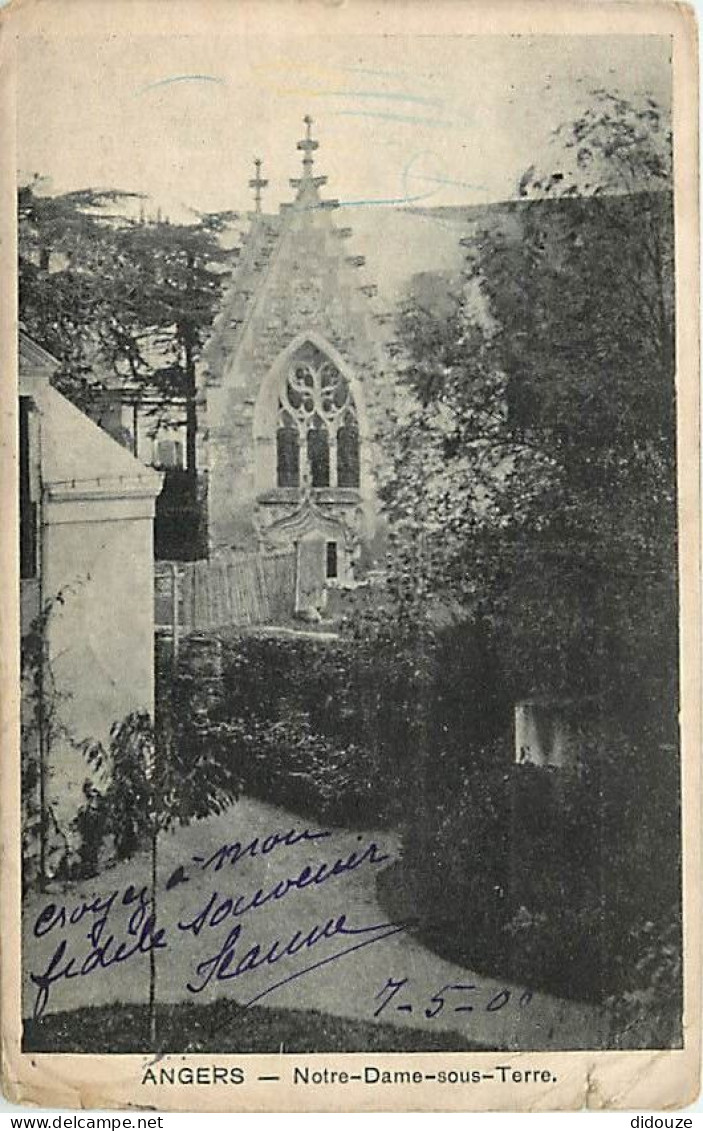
305, 722
332, 727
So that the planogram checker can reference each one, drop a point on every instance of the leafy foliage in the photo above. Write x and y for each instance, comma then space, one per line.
159, 776
118, 299
560, 882
41, 725
531, 456
530, 482
614, 146
66, 258
333, 727
302, 722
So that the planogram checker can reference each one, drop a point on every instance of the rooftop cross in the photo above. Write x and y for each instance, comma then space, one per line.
257, 183
308, 146
307, 185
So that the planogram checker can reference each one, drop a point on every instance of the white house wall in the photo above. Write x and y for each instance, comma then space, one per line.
99, 557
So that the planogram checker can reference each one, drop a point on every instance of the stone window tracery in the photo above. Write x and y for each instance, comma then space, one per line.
317, 437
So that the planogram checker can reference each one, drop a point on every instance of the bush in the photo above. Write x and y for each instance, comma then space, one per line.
290, 764
91, 824
287, 762
546, 876
568, 883
195, 1027
648, 1013
171, 772
350, 694
180, 532
455, 851
318, 725
455, 845
332, 728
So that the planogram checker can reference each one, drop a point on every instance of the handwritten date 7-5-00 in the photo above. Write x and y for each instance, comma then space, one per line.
455, 997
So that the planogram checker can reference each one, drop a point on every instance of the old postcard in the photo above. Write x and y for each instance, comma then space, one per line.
350, 632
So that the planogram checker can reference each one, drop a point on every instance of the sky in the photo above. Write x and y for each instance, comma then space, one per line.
427, 120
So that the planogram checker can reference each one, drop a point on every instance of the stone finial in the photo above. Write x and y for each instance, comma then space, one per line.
308, 184
257, 183
308, 145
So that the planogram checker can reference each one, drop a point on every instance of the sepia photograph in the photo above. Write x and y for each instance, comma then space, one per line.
348, 542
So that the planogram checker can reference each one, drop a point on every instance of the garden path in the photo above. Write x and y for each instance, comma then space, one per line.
348, 986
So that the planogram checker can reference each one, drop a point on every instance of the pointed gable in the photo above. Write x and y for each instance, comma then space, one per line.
298, 284
297, 271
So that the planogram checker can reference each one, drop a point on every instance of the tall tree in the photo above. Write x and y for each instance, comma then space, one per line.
167, 296
66, 262
119, 299
533, 459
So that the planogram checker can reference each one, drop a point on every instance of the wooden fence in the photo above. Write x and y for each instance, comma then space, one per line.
230, 589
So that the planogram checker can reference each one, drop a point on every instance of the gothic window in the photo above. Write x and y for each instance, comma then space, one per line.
348, 454
287, 452
317, 437
318, 453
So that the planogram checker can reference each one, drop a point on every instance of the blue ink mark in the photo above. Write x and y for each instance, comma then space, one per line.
439, 998
178, 876
393, 929
502, 998
101, 957
392, 96
218, 965
394, 985
57, 915
388, 201
217, 909
232, 853
392, 117
391, 201
180, 78
408, 175
446, 181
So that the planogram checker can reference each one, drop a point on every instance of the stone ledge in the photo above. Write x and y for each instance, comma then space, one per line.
287, 495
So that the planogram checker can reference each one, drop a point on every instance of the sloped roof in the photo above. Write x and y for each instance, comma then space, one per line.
400, 243
271, 275
393, 246
250, 267
77, 457
34, 360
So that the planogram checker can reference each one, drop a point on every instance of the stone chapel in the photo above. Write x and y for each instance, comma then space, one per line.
292, 390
